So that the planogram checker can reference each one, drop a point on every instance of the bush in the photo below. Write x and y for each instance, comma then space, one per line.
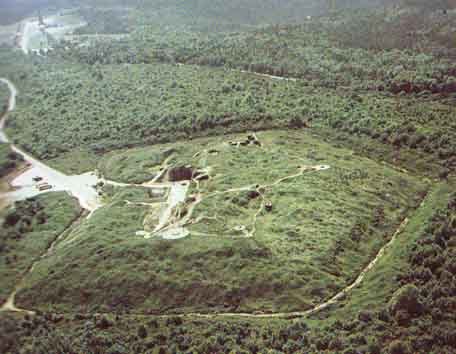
444, 173
398, 347
142, 332
103, 322
365, 316
406, 299
374, 348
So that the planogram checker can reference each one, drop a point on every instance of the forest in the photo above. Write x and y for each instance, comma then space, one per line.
401, 93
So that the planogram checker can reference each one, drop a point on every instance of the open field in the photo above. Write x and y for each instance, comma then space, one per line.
323, 228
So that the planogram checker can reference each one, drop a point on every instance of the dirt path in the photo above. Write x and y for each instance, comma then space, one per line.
176, 195
9, 305
25, 39
10, 107
178, 192
273, 77
333, 300
12, 97
268, 76
248, 232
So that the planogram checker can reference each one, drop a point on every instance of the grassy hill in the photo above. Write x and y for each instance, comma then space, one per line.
324, 227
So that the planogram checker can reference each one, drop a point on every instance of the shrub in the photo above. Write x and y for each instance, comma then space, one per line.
374, 348
444, 173
336, 344
365, 316
398, 347
406, 299
297, 123
104, 323
142, 332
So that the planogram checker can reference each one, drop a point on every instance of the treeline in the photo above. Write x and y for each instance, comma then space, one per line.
349, 50
181, 102
21, 219
104, 21
103, 107
251, 12
9, 160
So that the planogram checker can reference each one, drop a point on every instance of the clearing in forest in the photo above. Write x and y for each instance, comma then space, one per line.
275, 227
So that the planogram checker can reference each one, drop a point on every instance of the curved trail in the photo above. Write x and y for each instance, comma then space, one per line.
296, 314
9, 305
268, 76
258, 188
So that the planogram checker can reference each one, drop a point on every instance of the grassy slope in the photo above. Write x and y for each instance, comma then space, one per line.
381, 282
308, 233
105, 259
338, 330
19, 253
282, 336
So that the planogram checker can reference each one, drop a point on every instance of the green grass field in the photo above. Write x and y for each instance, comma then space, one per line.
324, 227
